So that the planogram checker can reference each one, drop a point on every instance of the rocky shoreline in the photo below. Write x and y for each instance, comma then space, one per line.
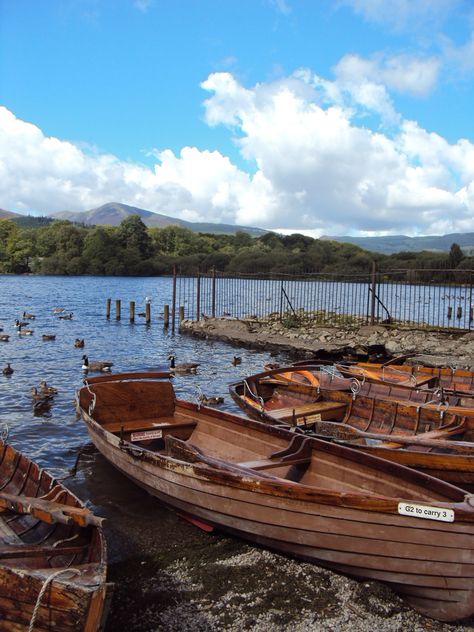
377, 342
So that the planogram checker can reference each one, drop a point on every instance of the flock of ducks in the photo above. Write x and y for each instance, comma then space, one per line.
43, 395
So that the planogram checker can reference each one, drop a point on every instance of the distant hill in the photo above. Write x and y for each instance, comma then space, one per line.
114, 213
8, 214
401, 243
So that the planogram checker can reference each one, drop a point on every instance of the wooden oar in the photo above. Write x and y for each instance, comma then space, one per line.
48, 510
343, 432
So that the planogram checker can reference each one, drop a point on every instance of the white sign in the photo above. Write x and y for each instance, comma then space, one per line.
146, 435
425, 511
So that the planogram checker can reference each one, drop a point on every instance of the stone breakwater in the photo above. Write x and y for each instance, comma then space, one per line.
377, 342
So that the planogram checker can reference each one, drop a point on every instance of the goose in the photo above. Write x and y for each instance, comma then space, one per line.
65, 316
58, 310
236, 360
7, 370
185, 367
4, 337
24, 332
47, 390
20, 323
48, 337
96, 365
79, 343
28, 316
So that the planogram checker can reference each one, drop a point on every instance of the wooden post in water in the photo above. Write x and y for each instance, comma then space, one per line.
166, 315
147, 313
132, 311
118, 304
173, 304
181, 313
107, 308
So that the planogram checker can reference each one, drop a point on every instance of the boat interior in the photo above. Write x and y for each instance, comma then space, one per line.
146, 417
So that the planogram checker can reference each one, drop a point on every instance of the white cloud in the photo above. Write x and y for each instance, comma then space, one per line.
319, 168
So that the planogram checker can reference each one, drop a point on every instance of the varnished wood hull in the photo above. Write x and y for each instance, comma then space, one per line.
53, 574
338, 508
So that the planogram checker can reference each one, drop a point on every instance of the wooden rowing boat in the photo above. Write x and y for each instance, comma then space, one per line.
313, 499
432, 436
451, 379
52, 553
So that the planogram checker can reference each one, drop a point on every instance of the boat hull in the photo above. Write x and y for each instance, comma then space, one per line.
430, 563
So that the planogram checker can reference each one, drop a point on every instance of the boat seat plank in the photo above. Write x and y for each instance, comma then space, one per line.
266, 464
147, 424
310, 408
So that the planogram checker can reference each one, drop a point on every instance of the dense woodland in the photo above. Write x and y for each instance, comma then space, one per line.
61, 247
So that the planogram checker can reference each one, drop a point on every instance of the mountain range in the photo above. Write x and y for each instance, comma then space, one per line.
114, 213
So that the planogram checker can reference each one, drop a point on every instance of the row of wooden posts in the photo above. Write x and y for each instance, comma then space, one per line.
146, 314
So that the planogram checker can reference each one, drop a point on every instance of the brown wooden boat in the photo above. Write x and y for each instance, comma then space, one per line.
316, 500
52, 553
430, 435
451, 379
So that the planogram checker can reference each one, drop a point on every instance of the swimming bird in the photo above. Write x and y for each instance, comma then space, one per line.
7, 370
29, 316
65, 316
20, 323
210, 401
48, 337
24, 332
185, 367
46, 389
58, 310
95, 365
39, 395
79, 343
4, 337
236, 360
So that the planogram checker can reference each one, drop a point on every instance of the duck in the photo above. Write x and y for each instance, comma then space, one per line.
210, 401
48, 336
28, 316
39, 395
46, 389
236, 360
4, 337
8, 369
79, 343
99, 366
185, 367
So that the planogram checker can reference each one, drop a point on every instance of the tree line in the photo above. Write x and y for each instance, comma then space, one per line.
131, 249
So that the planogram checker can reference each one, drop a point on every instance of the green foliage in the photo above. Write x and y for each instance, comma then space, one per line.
62, 247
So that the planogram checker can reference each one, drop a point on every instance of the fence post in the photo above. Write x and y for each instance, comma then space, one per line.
198, 296
181, 314
173, 304
147, 313
166, 315
213, 308
107, 308
118, 304
132, 311
372, 302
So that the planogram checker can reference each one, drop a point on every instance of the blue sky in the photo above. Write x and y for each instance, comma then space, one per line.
343, 117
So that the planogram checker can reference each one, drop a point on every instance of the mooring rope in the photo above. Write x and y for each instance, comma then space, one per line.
45, 585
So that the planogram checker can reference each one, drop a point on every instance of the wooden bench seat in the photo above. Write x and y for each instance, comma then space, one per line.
137, 425
327, 410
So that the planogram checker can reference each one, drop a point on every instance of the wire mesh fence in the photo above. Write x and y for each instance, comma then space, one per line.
442, 299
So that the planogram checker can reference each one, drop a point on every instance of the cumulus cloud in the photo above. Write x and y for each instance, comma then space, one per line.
316, 167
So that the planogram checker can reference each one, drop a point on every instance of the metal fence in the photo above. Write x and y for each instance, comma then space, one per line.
443, 300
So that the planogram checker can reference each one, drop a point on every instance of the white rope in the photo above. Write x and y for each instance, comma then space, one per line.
45, 585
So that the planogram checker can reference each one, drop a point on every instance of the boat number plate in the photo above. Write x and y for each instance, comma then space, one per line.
146, 435
425, 511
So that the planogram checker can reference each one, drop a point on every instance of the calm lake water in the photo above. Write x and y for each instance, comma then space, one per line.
136, 523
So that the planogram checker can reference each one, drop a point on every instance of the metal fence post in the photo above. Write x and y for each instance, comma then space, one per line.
372, 302
173, 304
213, 307
198, 296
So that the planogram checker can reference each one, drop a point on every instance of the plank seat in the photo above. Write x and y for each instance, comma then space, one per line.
327, 410
266, 464
137, 425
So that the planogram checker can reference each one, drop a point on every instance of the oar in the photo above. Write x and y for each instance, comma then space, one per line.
48, 510
343, 432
